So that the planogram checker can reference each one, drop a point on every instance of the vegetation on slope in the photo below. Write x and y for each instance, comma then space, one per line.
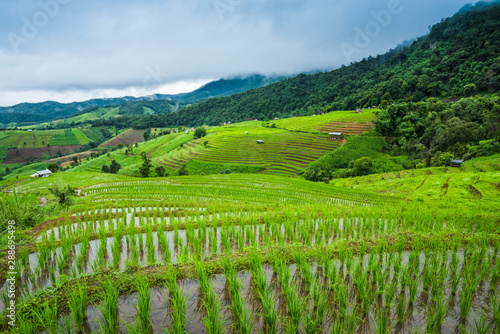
421, 134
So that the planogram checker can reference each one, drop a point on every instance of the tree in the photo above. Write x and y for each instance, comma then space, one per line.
114, 167
205, 143
160, 171
362, 166
53, 167
200, 132
105, 169
145, 168
146, 135
470, 89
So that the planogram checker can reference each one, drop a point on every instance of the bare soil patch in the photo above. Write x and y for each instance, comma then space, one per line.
129, 137
22, 155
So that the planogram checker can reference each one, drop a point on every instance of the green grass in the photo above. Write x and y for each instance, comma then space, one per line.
81, 137
12, 139
66, 138
483, 164
37, 139
3, 152
355, 148
94, 134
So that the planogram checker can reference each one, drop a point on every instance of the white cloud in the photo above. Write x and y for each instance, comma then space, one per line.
8, 98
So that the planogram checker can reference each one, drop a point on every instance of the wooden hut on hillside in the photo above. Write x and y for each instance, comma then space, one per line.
336, 135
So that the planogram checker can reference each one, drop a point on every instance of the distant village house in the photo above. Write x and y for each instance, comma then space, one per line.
42, 173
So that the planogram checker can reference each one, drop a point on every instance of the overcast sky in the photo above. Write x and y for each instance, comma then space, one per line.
67, 50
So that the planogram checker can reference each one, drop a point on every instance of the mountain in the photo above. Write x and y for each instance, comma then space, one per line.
459, 57
226, 87
29, 113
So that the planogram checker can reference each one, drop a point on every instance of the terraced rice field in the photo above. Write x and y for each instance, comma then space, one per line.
283, 153
175, 160
320, 123
255, 253
348, 128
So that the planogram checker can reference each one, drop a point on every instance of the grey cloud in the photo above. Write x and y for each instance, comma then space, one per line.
94, 44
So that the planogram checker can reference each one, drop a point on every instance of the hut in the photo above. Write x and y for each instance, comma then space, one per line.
260, 141
42, 173
336, 135
456, 163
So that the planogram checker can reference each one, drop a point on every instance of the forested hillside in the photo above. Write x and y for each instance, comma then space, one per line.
459, 57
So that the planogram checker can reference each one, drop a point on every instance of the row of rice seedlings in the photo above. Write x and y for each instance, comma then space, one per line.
313, 318
82, 257
109, 320
265, 294
116, 246
213, 321
178, 301
242, 318
78, 303
47, 317
150, 246
291, 294
143, 308
164, 243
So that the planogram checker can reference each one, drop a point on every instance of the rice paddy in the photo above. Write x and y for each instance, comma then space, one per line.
251, 254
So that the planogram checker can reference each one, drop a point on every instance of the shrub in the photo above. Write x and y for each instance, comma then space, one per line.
200, 132
24, 209
160, 171
363, 166
53, 167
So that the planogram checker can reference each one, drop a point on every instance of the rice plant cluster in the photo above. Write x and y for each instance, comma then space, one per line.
275, 264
